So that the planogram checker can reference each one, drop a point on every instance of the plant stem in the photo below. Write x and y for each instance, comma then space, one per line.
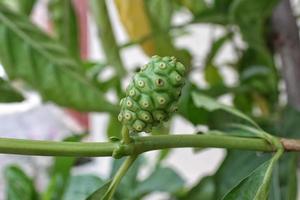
107, 36
119, 175
51, 148
139, 145
125, 135
149, 143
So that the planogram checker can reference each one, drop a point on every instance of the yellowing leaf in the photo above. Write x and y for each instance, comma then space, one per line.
135, 21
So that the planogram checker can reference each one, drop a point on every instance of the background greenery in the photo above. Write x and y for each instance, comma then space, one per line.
52, 66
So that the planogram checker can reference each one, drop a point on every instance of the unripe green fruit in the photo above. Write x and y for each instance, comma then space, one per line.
152, 95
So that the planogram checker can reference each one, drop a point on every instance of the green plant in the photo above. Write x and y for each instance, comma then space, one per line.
257, 122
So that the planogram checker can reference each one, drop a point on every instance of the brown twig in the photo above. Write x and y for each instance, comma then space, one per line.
290, 144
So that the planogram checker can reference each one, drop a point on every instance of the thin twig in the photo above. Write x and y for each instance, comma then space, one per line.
290, 144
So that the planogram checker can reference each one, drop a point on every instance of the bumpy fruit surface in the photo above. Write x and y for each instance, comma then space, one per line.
152, 95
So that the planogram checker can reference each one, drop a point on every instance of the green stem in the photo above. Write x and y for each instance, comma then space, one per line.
138, 145
119, 175
149, 143
108, 39
51, 148
125, 135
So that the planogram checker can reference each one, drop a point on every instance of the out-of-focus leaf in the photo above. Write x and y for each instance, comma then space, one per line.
213, 76
144, 26
162, 179
257, 71
160, 25
204, 190
107, 36
195, 6
215, 48
216, 13
222, 5
82, 186
202, 109
28, 54
61, 173
257, 56
24, 7
243, 101
18, 185
135, 20
211, 105
93, 69
114, 127
288, 126
258, 82
211, 72
211, 16
288, 176
256, 186
252, 25
100, 194
65, 23
234, 168
8, 93
162, 21
188, 109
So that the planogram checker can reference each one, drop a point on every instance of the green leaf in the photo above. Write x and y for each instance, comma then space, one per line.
202, 101
258, 82
100, 194
61, 173
216, 47
211, 15
114, 127
28, 54
222, 5
8, 93
287, 177
252, 24
62, 13
24, 7
204, 190
257, 56
162, 21
161, 179
233, 169
18, 185
108, 40
255, 186
201, 109
213, 76
82, 186
160, 25
288, 126
195, 6
188, 109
